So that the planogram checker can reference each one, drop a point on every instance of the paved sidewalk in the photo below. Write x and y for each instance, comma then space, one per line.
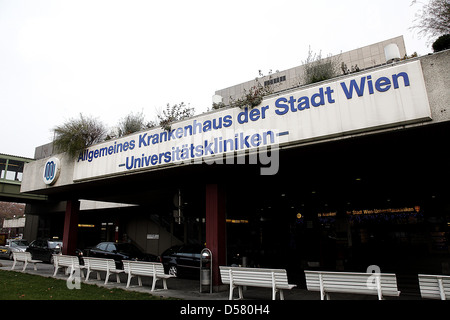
189, 289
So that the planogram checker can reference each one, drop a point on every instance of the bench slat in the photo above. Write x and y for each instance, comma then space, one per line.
24, 257
351, 282
101, 264
148, 269
256, 277
65, 261
430, 286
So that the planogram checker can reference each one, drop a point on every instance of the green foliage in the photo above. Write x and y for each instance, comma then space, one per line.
174, 113
22, 286
442, 43
318, 69
130, 124
78, 134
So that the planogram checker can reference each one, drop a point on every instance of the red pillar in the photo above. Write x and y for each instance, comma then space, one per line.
216, 228
71, 227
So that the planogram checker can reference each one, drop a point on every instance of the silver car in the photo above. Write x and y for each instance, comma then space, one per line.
13, 245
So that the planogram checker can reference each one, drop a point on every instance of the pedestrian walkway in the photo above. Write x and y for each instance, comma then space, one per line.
189, 289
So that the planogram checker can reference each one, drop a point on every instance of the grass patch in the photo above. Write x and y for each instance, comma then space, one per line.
22, 286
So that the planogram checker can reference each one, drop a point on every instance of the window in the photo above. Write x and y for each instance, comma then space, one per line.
275, 80
111, 247
102, 246
11, 169
2, 168
14, 170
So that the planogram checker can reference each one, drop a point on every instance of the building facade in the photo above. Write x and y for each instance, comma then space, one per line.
346, 62
338, 175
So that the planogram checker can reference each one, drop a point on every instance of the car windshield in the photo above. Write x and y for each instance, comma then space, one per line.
128, 248
55, 244
19, 243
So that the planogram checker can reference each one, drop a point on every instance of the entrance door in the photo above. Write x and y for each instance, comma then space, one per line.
108, 231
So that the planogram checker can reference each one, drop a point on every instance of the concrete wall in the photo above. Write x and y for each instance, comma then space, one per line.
365, 57
33, 171
141, 226
436, 70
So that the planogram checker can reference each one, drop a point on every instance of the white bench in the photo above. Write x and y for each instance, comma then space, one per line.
99, 264
255, 277
24, 257
434, 286
71, 263
381, 284
147, 269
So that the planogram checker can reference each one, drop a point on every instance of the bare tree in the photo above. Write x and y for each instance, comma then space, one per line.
433, 20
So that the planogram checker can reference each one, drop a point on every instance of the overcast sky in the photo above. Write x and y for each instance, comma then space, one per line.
106, 58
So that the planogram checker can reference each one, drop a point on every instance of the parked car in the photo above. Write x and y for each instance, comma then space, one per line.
119, 251
44, 249
13, 245
183, 260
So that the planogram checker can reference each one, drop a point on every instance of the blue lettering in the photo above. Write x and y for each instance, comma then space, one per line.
167, 157
208, 148
405, 79
142, 141
383, 84
254, 114
354, 86
303, 103
256, 140
279, 104
131, 165
292, 103
328, 93
319, 95
227, 121
154, 159
243, 116
244, 141
370, 84
179, 133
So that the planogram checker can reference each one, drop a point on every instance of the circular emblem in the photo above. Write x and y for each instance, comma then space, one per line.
51, 172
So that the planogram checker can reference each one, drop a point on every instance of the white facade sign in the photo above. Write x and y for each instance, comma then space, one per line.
377, 99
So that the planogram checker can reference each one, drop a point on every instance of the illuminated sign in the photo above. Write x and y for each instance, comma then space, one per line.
415, 209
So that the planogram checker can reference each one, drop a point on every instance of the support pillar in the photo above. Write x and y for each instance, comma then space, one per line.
216, 229
71, 227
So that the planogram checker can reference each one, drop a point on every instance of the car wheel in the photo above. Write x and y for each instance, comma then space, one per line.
173, 270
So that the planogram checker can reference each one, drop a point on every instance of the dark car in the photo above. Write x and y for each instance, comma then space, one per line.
183, 260
119, 251
44, 249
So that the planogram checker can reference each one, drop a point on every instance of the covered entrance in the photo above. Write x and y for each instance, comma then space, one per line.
360, 179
